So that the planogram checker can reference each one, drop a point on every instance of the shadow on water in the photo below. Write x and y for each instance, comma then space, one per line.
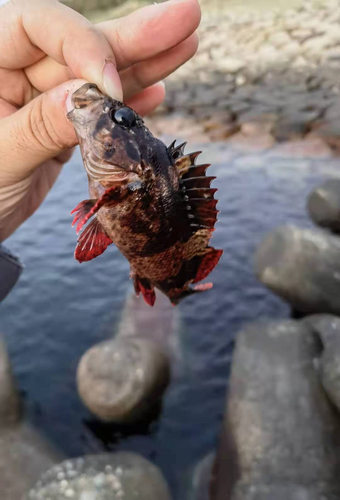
59, 309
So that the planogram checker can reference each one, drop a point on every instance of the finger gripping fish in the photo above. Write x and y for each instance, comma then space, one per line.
152, 201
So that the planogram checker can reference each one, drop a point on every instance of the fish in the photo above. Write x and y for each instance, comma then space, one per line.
154, 202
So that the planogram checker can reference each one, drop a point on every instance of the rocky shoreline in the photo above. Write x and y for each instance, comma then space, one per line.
271, 73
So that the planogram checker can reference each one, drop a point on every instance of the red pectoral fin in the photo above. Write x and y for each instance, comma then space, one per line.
209, 261
87, 208
81, 213
92, 242
144, 286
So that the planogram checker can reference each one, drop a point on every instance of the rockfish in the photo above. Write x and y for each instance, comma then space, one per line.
151, 200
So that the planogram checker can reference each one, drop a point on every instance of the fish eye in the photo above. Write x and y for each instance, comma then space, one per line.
125, 117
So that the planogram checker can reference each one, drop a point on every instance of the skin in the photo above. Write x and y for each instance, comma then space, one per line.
125, 57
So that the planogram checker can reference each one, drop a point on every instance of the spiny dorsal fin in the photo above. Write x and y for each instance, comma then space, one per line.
198, 197
197, 182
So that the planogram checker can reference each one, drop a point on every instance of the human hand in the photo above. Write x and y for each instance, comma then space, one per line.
44, 47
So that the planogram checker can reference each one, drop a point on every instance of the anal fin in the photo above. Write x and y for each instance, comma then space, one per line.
92, 242
143, 285
208, 263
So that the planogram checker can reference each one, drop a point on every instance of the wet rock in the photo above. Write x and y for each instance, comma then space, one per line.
302, 266
24, 454
280, 427
201, 478
327, 328
102, 477
121, 380
290, 129
10, 406
324, 205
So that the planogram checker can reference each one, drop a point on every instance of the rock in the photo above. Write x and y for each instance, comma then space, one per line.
303, 267
301, 34
231, 65
256, 128
117, 476
10, 405
324, 205
280, 38
223, 131
327, 328
294, 124
280, 428
315, 45
121, 380
24, 456
201, 477
309, 146
254, 143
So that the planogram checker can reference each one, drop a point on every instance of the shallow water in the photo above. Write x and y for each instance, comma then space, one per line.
61, 308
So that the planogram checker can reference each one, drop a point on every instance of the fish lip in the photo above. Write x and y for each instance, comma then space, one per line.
85, 95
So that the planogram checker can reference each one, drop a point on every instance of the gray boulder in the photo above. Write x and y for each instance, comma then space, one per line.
119, 476
24, 454
302, 266
280, 432
120, 380
323, 205
10, 405
327, 329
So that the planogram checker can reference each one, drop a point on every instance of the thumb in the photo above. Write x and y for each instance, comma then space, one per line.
37, 132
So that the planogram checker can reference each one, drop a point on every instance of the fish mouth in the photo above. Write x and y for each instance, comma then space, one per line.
87, 94
97, 168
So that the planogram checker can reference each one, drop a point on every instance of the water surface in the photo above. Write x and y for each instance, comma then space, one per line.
60, 308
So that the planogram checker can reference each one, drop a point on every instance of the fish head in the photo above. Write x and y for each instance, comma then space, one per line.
110, 136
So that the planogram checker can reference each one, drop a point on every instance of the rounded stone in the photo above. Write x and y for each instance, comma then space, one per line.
327, 328
303, 267
120, 380
277, 412
116, 476
323, 205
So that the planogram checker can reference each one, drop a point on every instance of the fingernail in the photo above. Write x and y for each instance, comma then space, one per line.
111, 81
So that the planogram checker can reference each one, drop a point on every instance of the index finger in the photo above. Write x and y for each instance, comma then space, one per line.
32, 29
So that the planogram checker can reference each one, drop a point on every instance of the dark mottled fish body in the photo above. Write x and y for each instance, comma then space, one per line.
152, 201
